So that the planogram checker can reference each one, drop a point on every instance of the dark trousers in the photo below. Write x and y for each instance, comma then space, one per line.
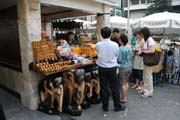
109, 78
155, 78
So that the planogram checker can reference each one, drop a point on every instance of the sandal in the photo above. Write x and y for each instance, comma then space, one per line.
134, 86
138, 88
145, 95
123, 101
140, 91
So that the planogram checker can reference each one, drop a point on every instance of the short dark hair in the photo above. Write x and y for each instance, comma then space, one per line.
170, 53
70, 33
146, 33
137, 32
105, 32
124, 39
116, 30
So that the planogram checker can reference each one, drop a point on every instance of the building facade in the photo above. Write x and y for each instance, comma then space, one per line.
137, 7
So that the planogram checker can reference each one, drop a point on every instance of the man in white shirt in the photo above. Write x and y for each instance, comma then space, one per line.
107, 61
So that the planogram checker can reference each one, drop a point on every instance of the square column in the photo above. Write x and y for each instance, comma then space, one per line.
103, 20
29, 23
49, 29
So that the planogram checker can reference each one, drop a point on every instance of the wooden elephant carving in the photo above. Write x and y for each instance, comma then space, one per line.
49, 91
74, 85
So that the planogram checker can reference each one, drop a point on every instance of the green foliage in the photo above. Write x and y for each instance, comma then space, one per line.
94, 36
159, 6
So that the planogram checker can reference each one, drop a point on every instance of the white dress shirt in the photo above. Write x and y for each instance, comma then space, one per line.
107, 53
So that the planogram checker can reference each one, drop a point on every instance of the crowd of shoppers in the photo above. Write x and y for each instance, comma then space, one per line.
118, 50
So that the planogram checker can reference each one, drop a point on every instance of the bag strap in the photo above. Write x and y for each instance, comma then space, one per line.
148, 45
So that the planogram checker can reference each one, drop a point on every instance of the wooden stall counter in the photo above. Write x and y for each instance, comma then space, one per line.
53, 69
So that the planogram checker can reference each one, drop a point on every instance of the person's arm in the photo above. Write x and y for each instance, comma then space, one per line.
131, 53
119, 56
150, 50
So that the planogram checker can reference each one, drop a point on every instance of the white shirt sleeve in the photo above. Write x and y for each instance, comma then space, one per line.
150, 42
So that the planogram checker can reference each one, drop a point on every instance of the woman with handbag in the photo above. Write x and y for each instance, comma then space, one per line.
148, 51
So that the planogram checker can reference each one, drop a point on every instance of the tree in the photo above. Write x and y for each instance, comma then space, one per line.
159, 6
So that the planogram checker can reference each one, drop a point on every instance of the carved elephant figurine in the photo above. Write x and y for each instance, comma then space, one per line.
49, 90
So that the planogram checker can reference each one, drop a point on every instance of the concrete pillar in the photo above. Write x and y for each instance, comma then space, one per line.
29, 20
103, 20
89, 18
49, 29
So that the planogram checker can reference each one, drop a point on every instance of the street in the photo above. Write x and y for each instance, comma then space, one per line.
164, 105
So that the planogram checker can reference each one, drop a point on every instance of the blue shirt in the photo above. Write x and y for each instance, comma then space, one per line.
124, 57
107, 51
133, 40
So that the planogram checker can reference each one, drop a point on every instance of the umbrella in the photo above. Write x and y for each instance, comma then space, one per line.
118, 22
164, 22
115, 22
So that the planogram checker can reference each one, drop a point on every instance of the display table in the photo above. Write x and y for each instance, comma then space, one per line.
88, 68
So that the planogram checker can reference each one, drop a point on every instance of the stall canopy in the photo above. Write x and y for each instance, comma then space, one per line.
116, 22
86, 24
160, 22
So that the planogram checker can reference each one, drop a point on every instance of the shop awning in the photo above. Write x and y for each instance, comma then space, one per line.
158, 22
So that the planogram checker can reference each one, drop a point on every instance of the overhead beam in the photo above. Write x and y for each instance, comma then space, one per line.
62, 15
107, 2
89, 6
55, 13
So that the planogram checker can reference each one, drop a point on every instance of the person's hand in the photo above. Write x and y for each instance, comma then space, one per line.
139, 52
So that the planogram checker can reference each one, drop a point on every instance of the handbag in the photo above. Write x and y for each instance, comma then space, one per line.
151, 59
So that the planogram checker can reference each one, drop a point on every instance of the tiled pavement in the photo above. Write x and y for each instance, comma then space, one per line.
164, 105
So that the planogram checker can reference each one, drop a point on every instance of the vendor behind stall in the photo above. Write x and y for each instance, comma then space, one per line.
81, 39
70, 39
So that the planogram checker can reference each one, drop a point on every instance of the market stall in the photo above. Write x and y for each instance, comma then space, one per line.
54, 62
33, 17
69, 77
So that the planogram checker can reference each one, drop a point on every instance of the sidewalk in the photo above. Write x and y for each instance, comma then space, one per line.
164, 105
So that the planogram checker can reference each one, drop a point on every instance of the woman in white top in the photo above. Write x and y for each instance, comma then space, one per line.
149, 47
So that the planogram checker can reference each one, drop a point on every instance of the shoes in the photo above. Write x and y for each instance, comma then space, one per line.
145, 95
138, 88
134, 86
120, 108
140, 91
104, 108
123, 100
